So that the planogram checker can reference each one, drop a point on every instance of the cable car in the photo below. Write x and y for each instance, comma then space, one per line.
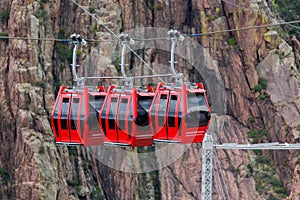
74, 119
127, 115
124, 117
179, 113
83, 116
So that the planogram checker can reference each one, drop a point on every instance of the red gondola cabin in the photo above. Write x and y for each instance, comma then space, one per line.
179, 114
124, 117
74, 119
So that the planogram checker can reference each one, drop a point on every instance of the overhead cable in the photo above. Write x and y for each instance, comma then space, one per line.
163, 38
32, 38
50, 39
116, 36
251, 10
242, 28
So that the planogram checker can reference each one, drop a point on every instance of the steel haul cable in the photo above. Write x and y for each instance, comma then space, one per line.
109, 30
255, 12
161, 38
50, 39
242, 28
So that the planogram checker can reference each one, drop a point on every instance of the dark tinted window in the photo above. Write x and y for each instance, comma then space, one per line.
196, 102
180, 113
122, 113
172, 110
57, 107
75, 105
95, 103
55, 117
103, 116
82, 118
130, 120
112, 113
162, 108
145, 101
64, 113
153, 111
197, 110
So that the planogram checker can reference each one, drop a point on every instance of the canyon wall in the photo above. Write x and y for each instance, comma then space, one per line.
252, 78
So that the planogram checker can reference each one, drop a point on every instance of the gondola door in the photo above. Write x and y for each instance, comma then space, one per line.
64, 112
173, 119
55, 117
123, 134
161, 117
197, 117
142, 134
184, 122
195, 114
93, 134
74, 123
110, 121
64, 117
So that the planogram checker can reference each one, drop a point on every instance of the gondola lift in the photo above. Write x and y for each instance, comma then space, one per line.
124, 116
180, 112
76, 109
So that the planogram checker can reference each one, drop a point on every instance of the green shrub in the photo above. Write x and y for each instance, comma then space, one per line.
262, 97
257, 151
97, 194
279, 53
263, 83
280, 190
92, 9
85, 164
288, 11
257, 134
262, 159
261, 190
159, 6
250, 168
4, 15
78, 188
231, 41
251, 119
41, 150
96, 27
4, 34
257, 88
63, 51
5, 177
73, 183
73, 151
211, 18
275, 182
272, 197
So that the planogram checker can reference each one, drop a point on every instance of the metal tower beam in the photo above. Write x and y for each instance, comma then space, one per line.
207, 164
207, 158
273, 145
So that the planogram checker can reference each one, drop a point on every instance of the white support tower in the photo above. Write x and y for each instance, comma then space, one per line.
207, 158
207, 164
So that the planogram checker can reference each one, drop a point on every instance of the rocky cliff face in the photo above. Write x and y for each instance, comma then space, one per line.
256, 69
